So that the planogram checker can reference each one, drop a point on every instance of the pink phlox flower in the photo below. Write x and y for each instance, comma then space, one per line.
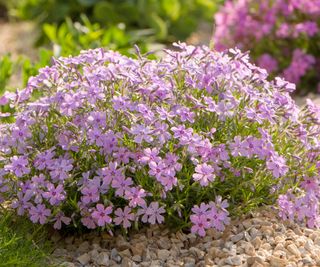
90, 194
204, 174
101, 215
200, 224
124, 217
150, 155
135, 196
310, 184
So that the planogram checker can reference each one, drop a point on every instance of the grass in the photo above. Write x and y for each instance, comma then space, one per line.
22, 243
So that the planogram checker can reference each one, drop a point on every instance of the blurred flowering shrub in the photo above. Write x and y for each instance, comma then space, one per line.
184, 140
283, 36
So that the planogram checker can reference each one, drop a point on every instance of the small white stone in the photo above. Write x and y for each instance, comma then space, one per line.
294, 250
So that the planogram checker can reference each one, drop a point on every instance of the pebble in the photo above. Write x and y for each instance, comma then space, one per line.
294, 250
260, 241
163, 254
235, 261
102, 259
84, 259
237, 238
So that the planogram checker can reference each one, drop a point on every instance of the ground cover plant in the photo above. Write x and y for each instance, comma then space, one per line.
188, 140
21, 242
283, 37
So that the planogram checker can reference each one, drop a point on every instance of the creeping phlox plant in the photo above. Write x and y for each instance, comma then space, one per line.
115, 141
282, 35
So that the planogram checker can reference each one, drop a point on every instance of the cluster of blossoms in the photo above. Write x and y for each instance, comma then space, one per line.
282, 36
114, 141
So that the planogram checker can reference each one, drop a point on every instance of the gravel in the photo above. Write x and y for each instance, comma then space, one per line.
259, 240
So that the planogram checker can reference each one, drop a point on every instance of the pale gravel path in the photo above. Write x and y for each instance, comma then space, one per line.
258, 241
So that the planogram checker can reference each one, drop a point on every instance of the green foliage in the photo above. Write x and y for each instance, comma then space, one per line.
169, 19
6, 66
21, 242
71, 37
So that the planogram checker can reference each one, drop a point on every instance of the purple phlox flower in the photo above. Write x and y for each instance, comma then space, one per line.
122, 155
314, 221
145, 111
237, 148
277, 165
95, 136
39, 214
97, 118
224, 109
221, 204
120, 103
121, 184
54, 194
286, 207
44, 159
310, 184
18, 166
124, 217
161, 130
200, 224
108, 174
39, 180
101, 215
22, 203
60, 169
90, 195
310, 28
151, 213
87, 221
168, 181
267, 62
299, 209
157, 169
185, 114
218, 218
171, 160
85, 178
59, 219
110, 143
150, 155
154, 212
181, 131
142, 133
67, 140
165, 114
204, 174
202, 210
20, 133
135, 196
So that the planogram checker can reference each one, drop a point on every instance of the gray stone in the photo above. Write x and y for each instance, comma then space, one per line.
84, 259
237, 238
234, 261
163, 254
114, 255
102, 259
